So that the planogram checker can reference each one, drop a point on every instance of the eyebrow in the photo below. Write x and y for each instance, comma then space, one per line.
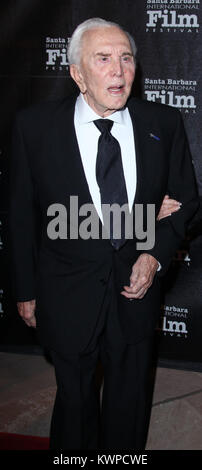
108, 55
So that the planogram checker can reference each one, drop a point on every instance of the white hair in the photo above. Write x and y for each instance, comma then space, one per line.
75, 43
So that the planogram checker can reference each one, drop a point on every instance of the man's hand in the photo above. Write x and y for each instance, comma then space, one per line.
143, 272
27, 311
168, 206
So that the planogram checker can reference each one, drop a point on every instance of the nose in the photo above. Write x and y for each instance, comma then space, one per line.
117, 68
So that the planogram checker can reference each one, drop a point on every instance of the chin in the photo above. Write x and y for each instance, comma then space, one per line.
119, 103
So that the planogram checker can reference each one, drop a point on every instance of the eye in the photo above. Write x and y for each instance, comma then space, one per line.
104, 59
127, 58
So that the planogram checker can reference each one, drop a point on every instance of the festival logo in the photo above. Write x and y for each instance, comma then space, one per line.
172, 16
173, 321
56, 54
179, 93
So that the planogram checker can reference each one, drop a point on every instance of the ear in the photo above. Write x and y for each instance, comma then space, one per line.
77, 76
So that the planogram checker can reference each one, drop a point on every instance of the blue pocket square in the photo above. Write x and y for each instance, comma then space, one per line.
154, 136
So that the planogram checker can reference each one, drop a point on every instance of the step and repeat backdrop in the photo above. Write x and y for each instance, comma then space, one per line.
34, 68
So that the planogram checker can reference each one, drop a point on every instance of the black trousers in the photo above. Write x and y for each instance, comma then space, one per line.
119, 422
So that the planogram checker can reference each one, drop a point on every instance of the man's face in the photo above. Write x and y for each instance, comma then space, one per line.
106, 71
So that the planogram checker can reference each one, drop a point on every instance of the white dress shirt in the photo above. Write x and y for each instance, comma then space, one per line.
87, 137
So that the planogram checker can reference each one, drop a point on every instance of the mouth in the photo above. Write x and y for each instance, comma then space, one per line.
116, 90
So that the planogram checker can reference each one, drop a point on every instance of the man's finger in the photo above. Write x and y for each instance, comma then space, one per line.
171, 201
137, 289
138, 295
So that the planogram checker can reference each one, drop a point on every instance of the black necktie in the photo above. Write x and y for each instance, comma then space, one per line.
110, 176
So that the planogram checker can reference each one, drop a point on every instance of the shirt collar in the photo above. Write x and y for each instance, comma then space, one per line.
85, 114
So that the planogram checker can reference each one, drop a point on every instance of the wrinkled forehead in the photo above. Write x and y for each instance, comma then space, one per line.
104, 37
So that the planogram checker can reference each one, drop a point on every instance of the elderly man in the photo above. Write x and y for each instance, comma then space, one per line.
96, 298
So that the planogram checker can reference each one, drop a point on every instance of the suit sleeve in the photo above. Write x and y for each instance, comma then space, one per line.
181, 186
21, 219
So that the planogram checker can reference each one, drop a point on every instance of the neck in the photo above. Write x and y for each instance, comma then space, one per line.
102, 113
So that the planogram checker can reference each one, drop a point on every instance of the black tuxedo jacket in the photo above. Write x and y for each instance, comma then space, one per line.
69, 277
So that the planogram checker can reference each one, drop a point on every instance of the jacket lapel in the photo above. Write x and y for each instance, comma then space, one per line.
147, 148
141, 132
70, 151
